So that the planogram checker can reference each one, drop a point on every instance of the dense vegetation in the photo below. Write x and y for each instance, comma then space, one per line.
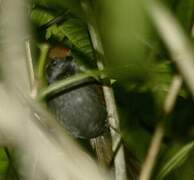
139, 63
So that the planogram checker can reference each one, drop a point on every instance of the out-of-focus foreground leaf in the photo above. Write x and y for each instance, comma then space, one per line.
123, 28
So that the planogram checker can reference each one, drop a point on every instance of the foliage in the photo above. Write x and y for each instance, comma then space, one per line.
136, 58
73, 29
177, 160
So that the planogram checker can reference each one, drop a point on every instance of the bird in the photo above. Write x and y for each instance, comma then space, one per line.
81, 109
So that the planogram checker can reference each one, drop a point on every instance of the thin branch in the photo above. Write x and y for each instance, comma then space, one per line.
67, 83
152, 153
160, 129
44, 48
30, 64
172, 94
113, 118
32, 78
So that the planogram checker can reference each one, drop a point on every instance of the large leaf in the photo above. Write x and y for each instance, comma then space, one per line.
122, 27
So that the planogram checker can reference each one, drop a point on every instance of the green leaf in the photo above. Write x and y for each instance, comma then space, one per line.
41, 16
176, 161
76, 32
72, 5
73, 29
122, 26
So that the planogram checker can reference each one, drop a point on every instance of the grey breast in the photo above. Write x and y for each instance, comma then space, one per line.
81, 110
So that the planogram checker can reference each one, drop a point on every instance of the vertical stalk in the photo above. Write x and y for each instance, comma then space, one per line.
153, 151
42, 59
32, 78
36, 78
30, 63
113, 118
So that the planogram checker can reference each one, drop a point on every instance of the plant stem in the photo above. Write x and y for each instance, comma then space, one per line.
67, 83
113, 118
160, 129
30, 64
32, 78
41, 61
152, 153
172, 94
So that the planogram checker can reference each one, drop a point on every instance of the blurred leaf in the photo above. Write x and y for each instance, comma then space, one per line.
123, 26
177, 160
58, 5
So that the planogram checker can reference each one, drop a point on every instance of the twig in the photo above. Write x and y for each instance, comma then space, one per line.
30, 64
42, 59
32, 78
160, 129
113, 118
36, 77
70, 82
170, 99
152, 153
